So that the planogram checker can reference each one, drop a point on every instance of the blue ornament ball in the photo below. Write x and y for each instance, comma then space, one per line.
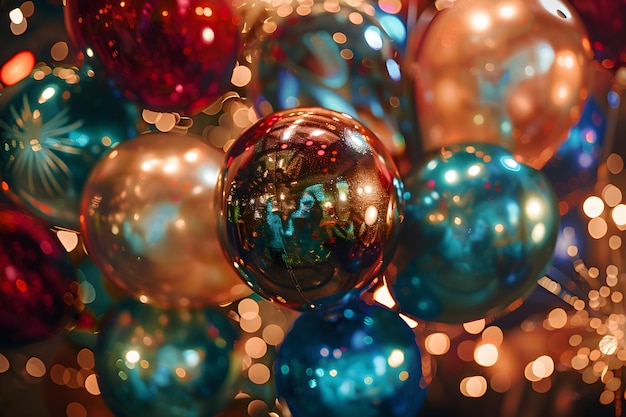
358, 361
479, 230
164, 363
54, 126
310, 207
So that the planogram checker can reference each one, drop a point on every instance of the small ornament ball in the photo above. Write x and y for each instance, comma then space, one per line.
358, 361
165, 55
479, 231
149, 220
164, 363
310, 206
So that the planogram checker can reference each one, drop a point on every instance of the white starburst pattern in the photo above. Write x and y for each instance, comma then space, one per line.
34, 146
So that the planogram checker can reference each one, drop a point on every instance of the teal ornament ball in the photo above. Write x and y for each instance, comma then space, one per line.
310, 207
164, 363
361, 361
54, 126
479, 230
344, 60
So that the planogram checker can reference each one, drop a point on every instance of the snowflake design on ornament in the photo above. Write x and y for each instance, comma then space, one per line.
33, 145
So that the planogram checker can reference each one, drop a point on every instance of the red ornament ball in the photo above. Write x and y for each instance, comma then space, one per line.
164, 55
38, 287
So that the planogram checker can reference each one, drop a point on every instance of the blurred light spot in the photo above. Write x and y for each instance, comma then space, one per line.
529, 374
69, 240
473, 386
250, 325
91, 385
373, 38
16, 16
493, 335
75, 409
474, 327
4, 364
258, 373
612, 195
608, 344
619, 215
557, 318
597, 228
248, 308
437, 343
273, 334
59, 51
593, 206
85, 359
208, 36
615, 163
16, 68
486, 355
241, 76
543, 366
255, 347
480, 21
395, 358
132, 356
35, 367
383, 296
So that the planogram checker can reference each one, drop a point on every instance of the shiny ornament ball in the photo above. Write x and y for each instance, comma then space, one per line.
149, 220
479, 230
165, 55
359, 361
38, 287
510, 73
164, 363
344, 61
55, 126
310, 207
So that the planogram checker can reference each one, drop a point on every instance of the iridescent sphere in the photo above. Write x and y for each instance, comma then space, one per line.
54, 126
165, 55
38, 287
310, 207
342, 60
479, 230
164, 363
510, 73
149, 220
360, 361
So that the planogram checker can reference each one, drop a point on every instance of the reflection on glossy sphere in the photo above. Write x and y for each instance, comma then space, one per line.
480, 229
168, 56
164, 363
309, 207
149, 220
341, 59
38, 288
507, 72
360, 361
54, 126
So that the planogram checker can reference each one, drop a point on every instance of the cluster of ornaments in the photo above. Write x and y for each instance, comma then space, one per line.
347, 176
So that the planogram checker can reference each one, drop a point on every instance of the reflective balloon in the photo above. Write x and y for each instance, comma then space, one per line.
479, 230
342, 60
149, 221
32, 31
164, 363
606, 22
360, 361
38, 288
54, 126
573, 171
310, 206
169, 56
505, 72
